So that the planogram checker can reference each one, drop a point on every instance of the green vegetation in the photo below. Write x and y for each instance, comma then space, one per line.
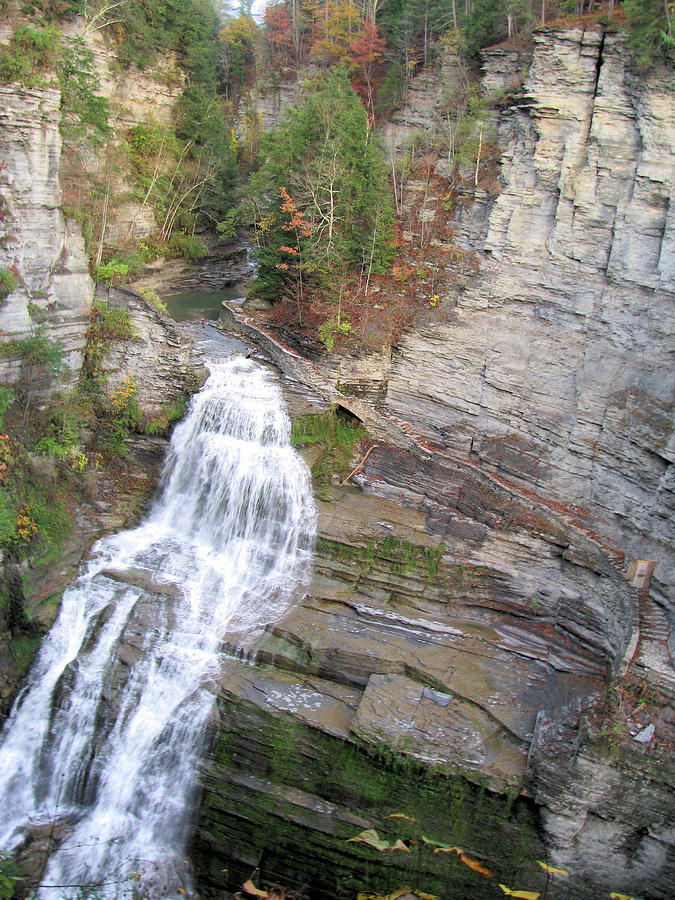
336, 432
106, 325
403, 557
118, 413
8, 876
30, 55
649, 24
9, 281
369, 781
84, 112
336, 427
332, 329
151, 296
320, 198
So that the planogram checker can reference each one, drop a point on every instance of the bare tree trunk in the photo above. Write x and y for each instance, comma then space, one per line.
104, 217
153, 180
372, 249
426, 30
393, 180
480, 147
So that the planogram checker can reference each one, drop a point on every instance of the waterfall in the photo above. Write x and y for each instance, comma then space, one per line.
107, 733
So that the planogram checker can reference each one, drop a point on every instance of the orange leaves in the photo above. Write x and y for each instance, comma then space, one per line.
5, 455
298, 222
467, 860
475, 865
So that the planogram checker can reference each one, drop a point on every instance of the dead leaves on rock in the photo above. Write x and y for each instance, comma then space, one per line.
467, 860
250, 890
372, 838
551, 869
523, 895
400, 894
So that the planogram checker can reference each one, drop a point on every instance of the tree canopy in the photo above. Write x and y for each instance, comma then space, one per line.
321, 199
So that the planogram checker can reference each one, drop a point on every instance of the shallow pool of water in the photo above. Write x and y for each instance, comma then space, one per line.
191, 305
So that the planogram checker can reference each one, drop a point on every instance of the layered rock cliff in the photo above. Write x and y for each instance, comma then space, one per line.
451, 658
471, 602
554, 365
43, 246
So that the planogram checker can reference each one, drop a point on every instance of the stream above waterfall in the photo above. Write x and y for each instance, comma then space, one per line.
105, 737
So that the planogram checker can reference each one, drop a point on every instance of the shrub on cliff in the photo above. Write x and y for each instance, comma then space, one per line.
29, 55
649, 31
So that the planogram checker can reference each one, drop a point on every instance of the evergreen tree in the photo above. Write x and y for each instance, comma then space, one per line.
324, 159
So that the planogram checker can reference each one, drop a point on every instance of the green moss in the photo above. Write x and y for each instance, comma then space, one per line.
404, 558
286, 798
23, 649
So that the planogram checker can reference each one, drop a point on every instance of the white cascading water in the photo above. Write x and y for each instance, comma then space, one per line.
108, 732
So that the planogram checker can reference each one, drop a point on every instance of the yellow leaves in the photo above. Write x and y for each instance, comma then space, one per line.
522, 895
372, 838
551, 869
616, 896
401, 816
396, 894
253, 891
265, 223
399, 845
447, 849
124, 394
26, 526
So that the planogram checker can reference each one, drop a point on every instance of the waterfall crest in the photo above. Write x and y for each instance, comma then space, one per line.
108, 731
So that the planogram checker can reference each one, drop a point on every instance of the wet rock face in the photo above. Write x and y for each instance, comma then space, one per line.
451, 633
469, 605
555, 366
44, 248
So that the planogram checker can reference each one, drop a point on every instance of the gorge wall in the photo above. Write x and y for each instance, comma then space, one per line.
39, 242
41, 179
554, 365
451, 658
470, 600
